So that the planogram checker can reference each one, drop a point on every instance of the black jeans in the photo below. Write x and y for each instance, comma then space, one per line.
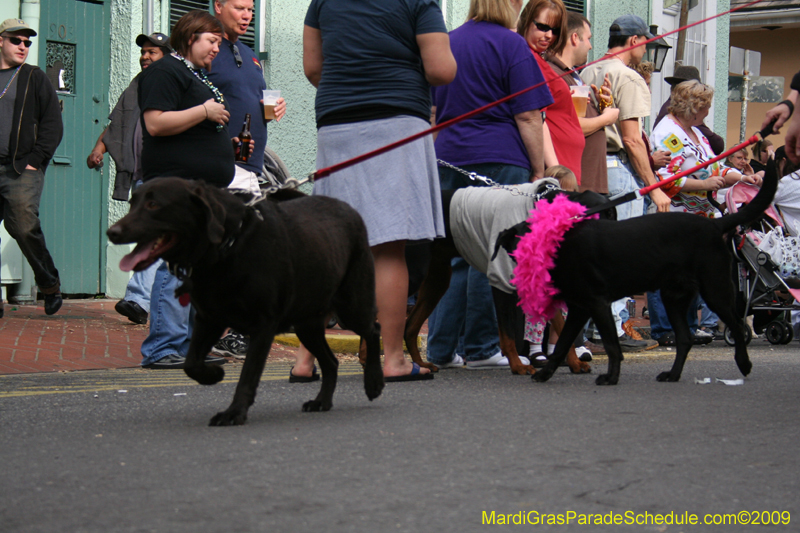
19, 209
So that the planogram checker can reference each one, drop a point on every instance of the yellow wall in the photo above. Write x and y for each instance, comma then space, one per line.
778, 58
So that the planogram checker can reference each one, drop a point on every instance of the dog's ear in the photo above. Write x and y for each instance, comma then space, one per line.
213, 211
508, 238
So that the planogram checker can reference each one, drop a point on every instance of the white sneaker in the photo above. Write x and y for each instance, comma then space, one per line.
583, 353
498, 360
456, 362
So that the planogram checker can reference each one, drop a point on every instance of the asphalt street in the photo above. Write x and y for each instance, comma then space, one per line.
130, 451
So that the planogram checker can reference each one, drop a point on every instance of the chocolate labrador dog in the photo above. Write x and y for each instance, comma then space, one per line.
288, 261
682, 254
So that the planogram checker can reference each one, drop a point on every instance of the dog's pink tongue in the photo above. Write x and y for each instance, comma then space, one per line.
139, 254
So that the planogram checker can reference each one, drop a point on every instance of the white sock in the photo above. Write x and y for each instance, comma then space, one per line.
535, 348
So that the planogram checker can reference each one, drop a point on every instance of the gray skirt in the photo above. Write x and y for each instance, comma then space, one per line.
397, 193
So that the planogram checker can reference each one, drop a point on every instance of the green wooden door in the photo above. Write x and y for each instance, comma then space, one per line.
74, 41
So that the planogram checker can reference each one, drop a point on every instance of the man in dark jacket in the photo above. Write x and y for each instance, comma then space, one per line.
30, 130
123, 140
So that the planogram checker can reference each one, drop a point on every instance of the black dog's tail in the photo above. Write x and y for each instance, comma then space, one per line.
750, 213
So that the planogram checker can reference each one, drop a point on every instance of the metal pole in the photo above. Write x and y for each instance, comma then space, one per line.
147, 17
745, 96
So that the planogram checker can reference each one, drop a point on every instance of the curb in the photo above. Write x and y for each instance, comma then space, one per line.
338, 343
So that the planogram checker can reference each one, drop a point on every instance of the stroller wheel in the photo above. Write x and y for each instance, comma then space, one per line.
775, 332
788, 335
748, 336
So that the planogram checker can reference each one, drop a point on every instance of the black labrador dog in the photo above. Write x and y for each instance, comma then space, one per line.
600, 261
287, 261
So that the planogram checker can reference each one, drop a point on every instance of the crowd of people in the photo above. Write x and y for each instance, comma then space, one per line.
398, 74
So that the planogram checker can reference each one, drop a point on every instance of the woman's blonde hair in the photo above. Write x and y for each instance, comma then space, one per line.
495, 11
688, 98
532, 10
566, 178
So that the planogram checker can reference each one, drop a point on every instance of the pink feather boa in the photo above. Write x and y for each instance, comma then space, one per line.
536, 252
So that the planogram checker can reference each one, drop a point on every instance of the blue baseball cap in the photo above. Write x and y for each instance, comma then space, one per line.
629, 25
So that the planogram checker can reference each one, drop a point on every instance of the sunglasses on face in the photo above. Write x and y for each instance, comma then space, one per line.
16, 41
544, 28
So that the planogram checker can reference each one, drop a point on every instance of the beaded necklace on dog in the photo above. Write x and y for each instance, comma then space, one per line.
10, 82
200, 75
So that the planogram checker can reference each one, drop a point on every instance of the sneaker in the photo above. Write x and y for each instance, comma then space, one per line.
498, 360
456, 362
584, 354
714, 332
629, 344
133, 311
232, 345
702, 337
176, 362
667, 339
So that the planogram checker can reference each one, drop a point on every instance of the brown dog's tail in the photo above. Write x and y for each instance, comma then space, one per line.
750, 212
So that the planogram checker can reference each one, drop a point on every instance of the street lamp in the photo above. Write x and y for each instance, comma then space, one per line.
657, 50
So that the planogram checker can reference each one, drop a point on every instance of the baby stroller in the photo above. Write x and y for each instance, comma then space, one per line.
767, 271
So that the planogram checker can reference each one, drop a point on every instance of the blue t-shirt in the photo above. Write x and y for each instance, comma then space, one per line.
370, 53
493, 62
241, 87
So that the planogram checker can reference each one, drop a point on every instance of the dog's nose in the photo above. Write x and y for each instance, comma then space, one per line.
114, 233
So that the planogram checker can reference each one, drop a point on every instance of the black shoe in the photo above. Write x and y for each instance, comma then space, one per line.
233, 345
132, 311
667, 339
52, 303
714, 332
177, 362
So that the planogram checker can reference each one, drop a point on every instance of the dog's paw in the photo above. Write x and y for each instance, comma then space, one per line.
605, 379
231, 417
541, 375
522, 370
314, 406
373, 386
667, 377
206, 374
745, 367
581, 368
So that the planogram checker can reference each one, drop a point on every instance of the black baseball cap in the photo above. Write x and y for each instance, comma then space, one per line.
158, 39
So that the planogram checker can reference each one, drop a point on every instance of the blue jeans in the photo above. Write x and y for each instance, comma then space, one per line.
659, 323
465, 316
141, 285
708, 318
621, 180
19, 208
170, 322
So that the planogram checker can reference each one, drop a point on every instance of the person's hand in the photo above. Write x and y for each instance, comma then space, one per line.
28, 167
780, 113
280, 109
95, 159
714, 183
746, 169
661, 200
660, 157
754, 179
216, 112
250, 147
611, 114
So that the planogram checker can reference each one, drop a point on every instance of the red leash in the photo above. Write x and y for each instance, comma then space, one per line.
327, 171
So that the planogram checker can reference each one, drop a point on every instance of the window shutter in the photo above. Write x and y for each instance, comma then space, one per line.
578, 6
178, 8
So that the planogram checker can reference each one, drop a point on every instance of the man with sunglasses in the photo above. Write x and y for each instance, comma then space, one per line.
122, 138
30, 131
238, 74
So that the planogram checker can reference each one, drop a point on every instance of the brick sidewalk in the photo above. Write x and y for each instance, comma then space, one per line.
83, 335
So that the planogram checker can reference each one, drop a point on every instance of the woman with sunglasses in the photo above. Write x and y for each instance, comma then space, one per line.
543, 24
503, 143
